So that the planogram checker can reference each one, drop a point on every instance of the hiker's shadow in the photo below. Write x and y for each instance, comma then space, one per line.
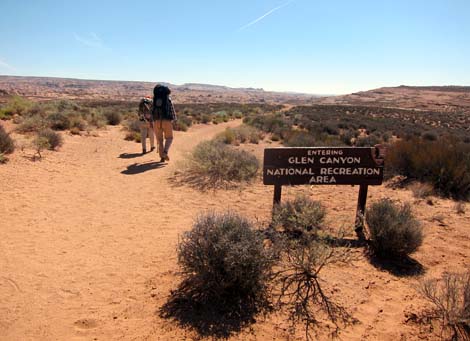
138, 168
129, 155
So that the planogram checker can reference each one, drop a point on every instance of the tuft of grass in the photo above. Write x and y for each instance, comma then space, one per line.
394, 231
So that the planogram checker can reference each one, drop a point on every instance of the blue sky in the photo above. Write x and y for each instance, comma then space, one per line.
325, 47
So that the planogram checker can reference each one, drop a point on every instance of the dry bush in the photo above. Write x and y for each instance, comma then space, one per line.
300, 288
299, 216
7, 146
242, 134
300, 139
225, 256
225, 270
54, 140
113, 117
450, 297
3, 159
394, 231
32, 124
444, 163
213, 164
421, 190
59, 121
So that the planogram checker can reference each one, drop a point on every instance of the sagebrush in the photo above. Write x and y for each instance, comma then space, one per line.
7, 146
394, 230
299, 216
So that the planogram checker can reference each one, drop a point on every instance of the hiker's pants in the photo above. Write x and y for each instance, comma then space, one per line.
163, 128
146, 130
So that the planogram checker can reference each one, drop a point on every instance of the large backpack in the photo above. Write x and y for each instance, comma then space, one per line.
161, 103
145, 107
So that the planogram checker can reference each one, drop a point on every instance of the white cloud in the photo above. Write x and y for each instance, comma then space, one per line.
90, 40
265, 15
6, 66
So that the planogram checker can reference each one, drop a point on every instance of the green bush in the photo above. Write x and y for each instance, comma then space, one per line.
54, 140
113, 117
223, 256
15, 106
394, 231
96, 118
59, 121
213, 164
299, 216
7, 146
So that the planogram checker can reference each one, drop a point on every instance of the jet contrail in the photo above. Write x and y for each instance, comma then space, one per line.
264, 15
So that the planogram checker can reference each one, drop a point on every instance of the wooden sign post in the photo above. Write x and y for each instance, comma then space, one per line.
326, 166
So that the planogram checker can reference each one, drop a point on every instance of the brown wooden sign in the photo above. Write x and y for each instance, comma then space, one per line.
362, 166
323, 166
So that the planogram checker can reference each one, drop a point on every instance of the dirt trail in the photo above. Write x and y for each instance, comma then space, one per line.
88, 243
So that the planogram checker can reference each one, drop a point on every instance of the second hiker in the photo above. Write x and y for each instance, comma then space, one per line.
163, 114
146, 124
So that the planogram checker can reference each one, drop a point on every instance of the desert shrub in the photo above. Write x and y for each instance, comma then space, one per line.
54, 139
133, 125
7, 146
15, 106
59, 121
74, 131
459, 207
367, 141
205, 118
444, 163
394, 231
213, 164
421, 190
429, 136
113, 117
242, 134
347, 137
224, 257
32, 124
133, 136
77, 123
300, 288
300, 139
96, 119
450, 297
299, 216
228, 136
3, 159
183, 123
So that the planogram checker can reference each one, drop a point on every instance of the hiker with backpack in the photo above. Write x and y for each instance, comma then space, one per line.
146, 123
163, 115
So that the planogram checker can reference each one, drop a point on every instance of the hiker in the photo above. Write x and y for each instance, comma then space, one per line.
146, 123
163, 113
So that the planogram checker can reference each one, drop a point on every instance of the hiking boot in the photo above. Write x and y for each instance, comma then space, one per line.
162, 160
152, 149
144, 151
166, 157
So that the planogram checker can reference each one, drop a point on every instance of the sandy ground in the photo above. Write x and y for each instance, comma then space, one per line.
88, 241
